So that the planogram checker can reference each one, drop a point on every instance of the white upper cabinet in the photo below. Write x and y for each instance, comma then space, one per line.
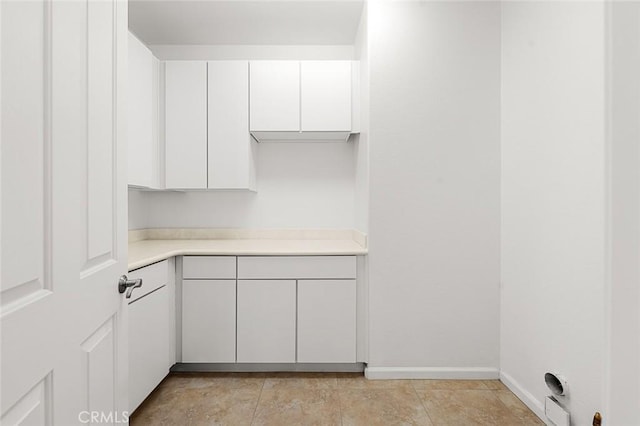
308, 100
325, 96
186, 124
142, 126
212, 109
230, 153
207, 139
275, 96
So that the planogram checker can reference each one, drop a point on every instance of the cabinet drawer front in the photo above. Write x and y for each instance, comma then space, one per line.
153, 277
296, 267
209, 267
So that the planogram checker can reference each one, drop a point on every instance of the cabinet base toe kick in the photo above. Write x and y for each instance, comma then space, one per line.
357, 367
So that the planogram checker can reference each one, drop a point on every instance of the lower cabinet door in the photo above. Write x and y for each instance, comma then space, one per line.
327, 321
209, 321
149, 359
267, 321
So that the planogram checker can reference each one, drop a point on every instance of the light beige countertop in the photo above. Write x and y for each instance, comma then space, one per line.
153, 245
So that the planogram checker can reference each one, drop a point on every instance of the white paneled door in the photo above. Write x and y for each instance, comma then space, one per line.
63, 212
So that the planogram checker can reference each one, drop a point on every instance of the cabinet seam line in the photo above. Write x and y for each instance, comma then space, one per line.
236, 335
299, 100
296, 330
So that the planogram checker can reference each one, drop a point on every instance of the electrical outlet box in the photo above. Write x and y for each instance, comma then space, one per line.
555, 413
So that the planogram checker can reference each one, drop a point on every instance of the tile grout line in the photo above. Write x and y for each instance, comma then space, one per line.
255, 410
339, 401
511, 412
503, 389
422, 403
494, 393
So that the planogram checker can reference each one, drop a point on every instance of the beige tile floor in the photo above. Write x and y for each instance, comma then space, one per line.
284, 399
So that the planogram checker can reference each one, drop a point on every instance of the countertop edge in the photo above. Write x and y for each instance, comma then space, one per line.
140, 263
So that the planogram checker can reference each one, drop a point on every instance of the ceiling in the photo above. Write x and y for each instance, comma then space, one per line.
263, 22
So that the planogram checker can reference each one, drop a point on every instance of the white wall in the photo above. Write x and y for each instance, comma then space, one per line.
553, 201
299, 185
361, 141
434, 188
137, 209
623, 296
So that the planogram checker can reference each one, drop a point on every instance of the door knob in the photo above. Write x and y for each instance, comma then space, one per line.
125, 283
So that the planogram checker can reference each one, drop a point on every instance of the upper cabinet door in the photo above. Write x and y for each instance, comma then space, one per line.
326, 96
140, 126
186, 124
231, 162
275, 96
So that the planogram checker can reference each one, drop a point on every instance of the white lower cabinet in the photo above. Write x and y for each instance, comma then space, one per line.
266, 330
269, 309
209, 321
293, 309
326, 321
150, 319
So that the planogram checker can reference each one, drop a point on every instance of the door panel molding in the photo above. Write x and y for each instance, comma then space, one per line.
101, 132
100, 365
34, 408
26, 157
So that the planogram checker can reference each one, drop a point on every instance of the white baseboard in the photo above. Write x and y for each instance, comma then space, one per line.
525, 396
469, 373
